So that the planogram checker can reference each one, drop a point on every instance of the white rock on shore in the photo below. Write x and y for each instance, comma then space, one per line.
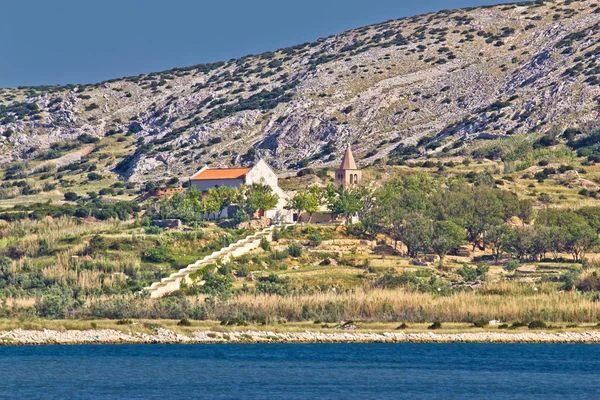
163, 335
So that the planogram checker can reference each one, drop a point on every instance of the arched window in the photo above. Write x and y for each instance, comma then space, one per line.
356, 179
351, 179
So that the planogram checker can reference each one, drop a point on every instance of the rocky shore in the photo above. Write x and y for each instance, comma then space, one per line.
162, 335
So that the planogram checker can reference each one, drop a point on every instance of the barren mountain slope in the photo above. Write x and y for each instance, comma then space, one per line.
448, 76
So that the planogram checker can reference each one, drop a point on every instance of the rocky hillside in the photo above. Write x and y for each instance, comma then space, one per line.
444, 78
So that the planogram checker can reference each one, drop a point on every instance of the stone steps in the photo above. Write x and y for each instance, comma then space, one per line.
242, 246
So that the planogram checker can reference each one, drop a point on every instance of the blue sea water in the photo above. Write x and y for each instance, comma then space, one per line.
301, 371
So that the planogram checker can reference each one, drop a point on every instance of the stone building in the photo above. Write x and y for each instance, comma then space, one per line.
347, 175
208, 178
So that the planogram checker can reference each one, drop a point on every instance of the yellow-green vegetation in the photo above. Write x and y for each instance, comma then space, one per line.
89, 259
459, 238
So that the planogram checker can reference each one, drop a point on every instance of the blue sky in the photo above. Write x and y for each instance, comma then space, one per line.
85, 41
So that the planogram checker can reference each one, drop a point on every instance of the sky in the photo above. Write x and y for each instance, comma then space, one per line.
46, 42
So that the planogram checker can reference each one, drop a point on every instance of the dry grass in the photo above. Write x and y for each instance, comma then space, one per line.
521, 303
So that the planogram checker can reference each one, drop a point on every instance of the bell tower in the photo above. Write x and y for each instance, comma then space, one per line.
347, 175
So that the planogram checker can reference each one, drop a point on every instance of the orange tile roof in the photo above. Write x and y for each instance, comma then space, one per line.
220, 173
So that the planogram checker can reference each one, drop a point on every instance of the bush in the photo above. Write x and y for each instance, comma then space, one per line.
264, 244
435, 325
94, 176
97, 245
124, 322
135, 127
71, 196
402, 326
517, 324
184, 322
56, 303
241, 216
153, 230
157, 255
589, 283
511, 265
107, 192
471, 274
315, 238
277, 235
295, 250
480, 323
537, 325
242, 272
279, 254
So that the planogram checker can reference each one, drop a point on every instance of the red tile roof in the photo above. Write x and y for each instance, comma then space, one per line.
220, 173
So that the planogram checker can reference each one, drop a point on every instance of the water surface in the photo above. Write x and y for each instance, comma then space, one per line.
301, 371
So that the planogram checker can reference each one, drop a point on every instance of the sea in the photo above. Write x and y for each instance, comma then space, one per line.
301, 371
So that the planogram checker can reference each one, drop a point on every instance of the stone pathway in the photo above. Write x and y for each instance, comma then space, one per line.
173, 282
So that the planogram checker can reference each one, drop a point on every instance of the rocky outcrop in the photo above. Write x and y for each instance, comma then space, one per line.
167, 223
470, 74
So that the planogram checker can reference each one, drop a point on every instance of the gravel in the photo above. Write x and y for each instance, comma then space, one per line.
163, 335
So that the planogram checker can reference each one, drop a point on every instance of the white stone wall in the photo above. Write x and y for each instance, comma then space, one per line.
280, 215
262, 173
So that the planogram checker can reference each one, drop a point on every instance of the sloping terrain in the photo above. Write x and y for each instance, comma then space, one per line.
445, 79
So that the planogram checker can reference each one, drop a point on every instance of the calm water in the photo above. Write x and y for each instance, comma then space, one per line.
308, 371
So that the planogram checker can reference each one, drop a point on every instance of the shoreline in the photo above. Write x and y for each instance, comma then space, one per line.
166, 336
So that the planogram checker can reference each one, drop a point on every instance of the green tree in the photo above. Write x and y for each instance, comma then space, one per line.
415, 233
498, 239
304, 201
578, 236
385, 210
580, 239
192, 200
543, 241
345, 202
526, 210
521, 241
218, 198
476, 208
258, 196
511, 205
592, 217
447, 236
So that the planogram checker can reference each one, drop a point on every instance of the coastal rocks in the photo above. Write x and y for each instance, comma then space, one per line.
163, 335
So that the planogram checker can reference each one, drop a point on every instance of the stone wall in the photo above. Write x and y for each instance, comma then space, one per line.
167, 223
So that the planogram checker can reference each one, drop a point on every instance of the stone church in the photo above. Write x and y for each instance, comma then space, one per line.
208, 178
